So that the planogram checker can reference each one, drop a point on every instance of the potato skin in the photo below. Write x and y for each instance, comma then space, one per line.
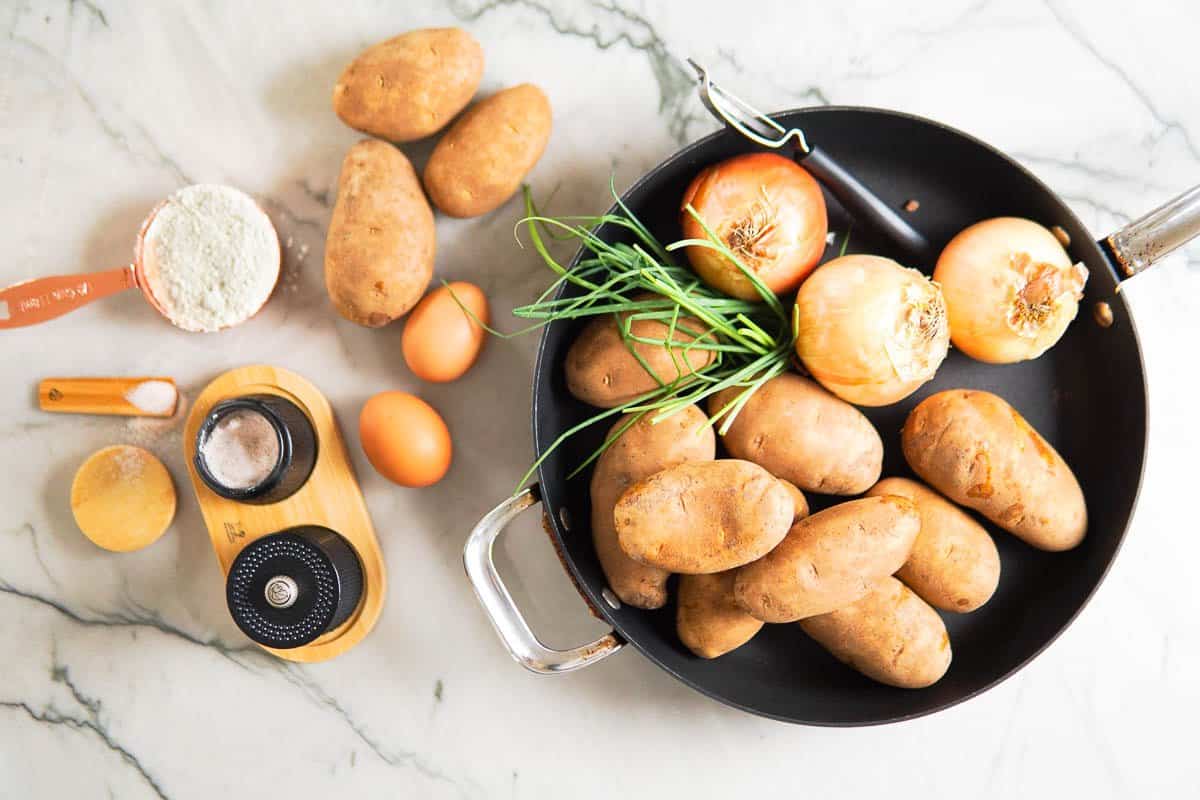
803, 434
799, 502
954, 564
480, 162
411, 85
977, 450
380, 246
641, 451
704, 517
601, 370
890, 635
707, 619
829, 560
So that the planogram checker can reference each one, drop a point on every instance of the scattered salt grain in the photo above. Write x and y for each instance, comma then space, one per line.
129, 463
149, 432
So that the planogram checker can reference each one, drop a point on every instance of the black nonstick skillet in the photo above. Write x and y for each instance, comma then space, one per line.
1087, 395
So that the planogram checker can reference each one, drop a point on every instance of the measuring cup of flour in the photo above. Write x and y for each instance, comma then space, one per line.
206, 258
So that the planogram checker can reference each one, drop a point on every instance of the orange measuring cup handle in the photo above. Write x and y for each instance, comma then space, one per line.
44, 299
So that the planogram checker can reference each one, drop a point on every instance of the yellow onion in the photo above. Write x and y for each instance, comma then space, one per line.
871, 331
768, 211
1011, 289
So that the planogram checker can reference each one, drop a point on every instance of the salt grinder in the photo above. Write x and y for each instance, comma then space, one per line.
287, 589
294, 448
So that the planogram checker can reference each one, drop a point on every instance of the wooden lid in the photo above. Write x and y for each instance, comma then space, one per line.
122, 498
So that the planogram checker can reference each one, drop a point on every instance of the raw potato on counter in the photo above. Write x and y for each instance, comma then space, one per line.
704, 517
803, 434
977, 450
480, 162
603, 372
411, 85
954, 564
829, 560
890, 635
708, 619
641, 451
380, 246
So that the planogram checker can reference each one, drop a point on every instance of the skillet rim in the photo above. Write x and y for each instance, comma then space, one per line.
593, 597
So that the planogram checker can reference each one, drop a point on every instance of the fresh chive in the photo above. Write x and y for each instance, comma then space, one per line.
750, 342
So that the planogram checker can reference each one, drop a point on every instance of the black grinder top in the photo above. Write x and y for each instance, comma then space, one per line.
287, 589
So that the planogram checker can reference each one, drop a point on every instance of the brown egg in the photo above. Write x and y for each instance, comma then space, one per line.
440, 340
405, 439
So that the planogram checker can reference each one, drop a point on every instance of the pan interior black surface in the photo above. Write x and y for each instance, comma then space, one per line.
1087, 396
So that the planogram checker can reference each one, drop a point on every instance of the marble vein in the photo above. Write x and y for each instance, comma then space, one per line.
1168, 125
156, 157
296, 675
240, 656
90, 722
627, 27
141, 618
91, 8
27, 528
51, 716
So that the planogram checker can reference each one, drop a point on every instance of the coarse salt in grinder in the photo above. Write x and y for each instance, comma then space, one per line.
287, 589
258, 448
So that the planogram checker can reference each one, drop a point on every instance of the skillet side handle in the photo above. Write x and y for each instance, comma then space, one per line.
1144, 241
865, 207
500, 608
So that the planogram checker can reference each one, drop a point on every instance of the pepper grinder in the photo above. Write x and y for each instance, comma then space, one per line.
286, 589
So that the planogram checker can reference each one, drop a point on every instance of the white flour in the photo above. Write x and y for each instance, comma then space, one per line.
210, 257
153, 397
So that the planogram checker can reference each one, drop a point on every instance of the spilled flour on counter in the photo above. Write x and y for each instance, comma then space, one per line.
210, 257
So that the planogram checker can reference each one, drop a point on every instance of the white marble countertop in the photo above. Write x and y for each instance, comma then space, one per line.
123, 676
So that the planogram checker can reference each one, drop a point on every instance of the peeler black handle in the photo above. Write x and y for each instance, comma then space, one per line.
865, 206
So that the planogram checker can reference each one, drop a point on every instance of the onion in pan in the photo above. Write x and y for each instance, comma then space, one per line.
764, 208
1011, 289
870, 330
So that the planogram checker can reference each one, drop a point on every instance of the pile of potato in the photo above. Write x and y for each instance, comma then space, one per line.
863, 578
380, 248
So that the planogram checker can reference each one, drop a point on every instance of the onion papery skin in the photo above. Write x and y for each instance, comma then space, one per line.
1011, 289
870, 330
768, 210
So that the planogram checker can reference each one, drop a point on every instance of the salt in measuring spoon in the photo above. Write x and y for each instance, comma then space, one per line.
43, 299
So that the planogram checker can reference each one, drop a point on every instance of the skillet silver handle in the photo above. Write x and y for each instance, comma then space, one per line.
1144, 241
498, 604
